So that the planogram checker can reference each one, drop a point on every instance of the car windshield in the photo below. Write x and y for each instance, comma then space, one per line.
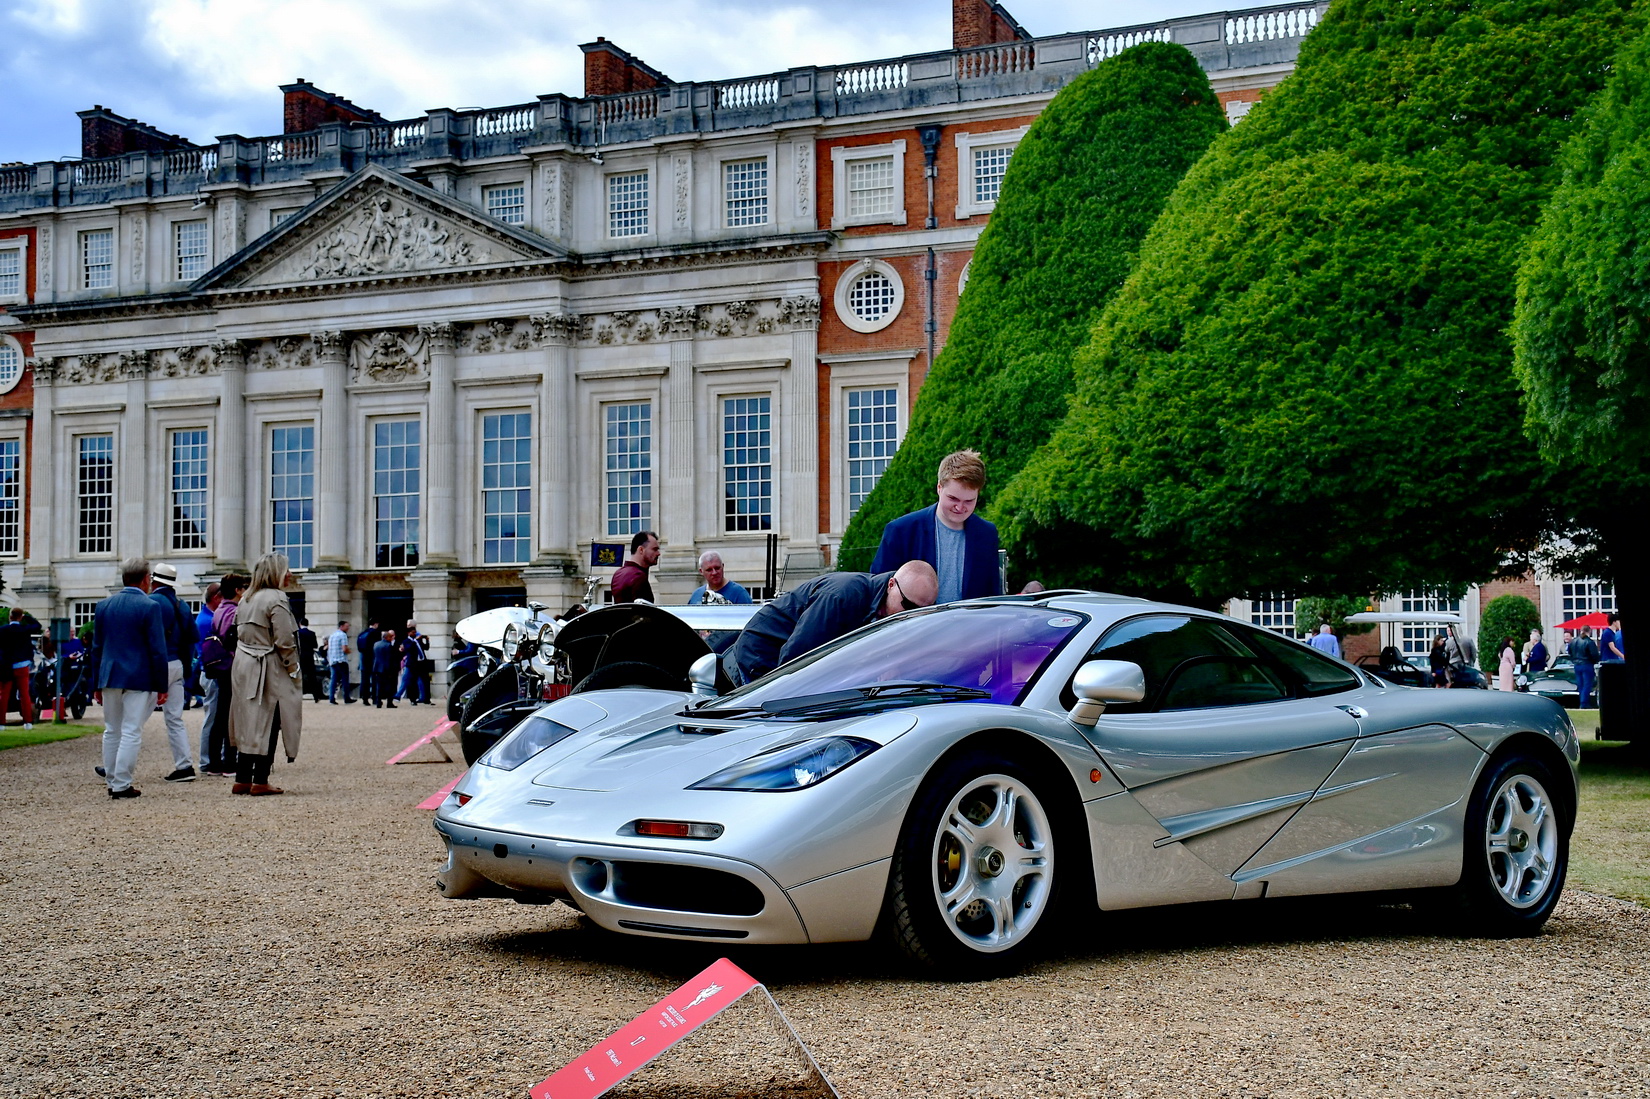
992, 651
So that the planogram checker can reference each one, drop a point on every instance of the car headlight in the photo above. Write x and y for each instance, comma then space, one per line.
524, 742
790, 767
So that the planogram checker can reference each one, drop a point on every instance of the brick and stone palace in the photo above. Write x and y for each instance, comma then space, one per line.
433, 359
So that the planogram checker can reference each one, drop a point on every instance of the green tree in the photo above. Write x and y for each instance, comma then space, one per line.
1304, 383
1581, 338
1313, 610
1085, 183
1506, 616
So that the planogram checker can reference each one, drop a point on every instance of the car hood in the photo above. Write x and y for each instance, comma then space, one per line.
675, 749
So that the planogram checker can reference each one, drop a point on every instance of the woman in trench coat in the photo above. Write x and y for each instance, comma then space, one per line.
265, 696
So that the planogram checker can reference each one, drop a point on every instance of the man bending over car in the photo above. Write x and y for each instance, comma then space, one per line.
822, 610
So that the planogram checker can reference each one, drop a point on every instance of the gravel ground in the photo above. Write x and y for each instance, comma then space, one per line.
187, 943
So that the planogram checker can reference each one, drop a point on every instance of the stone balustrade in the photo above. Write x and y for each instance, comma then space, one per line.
1225, 41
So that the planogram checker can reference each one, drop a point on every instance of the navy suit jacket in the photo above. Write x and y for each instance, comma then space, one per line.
386, 656
129, 643
911, 538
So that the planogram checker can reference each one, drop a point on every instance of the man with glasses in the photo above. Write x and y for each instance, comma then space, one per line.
821, 610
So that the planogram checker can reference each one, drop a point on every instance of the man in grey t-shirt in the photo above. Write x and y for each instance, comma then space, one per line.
960, 545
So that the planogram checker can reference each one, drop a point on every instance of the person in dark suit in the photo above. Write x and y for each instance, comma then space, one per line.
364, 645
386, 662
960, 545
129, 650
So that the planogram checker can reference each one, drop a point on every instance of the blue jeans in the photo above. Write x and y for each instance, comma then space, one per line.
1584, 686
414, 687
340, 675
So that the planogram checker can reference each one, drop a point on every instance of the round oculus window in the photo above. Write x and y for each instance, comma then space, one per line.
11, 364
870, 297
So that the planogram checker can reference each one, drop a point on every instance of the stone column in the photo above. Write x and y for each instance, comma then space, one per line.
132, 464
435, 599
231, 440
557, 539
38, 591
332, 462
440, 535
327, 600
675, 514
802, 422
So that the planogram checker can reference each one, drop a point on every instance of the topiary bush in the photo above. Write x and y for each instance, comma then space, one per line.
1506, 616
1084, 184
1304, 383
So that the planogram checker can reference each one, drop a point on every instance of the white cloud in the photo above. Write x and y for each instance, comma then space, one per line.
208, 67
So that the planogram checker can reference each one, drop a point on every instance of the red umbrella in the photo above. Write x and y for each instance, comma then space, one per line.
1597, 620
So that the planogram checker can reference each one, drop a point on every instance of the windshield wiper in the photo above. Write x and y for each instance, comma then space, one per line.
834, 699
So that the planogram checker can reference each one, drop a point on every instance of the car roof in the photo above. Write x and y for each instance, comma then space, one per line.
1093, 602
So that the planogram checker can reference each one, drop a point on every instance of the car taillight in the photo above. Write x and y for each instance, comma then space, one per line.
463, 799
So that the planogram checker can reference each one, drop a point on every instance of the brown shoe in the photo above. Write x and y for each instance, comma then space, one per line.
241, 788
263, 789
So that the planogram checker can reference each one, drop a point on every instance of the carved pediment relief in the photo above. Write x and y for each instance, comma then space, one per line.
378, 225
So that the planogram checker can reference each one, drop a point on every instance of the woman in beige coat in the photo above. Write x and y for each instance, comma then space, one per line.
265, 696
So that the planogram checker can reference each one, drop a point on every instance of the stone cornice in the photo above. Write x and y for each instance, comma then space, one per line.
398, 355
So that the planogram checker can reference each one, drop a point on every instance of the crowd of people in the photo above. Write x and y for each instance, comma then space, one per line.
245, 656
146, 647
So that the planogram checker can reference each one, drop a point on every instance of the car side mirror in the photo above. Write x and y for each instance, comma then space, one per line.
1098, 682
702, 674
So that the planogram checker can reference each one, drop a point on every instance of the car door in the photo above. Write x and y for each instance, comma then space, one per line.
1387, 817
1222, 750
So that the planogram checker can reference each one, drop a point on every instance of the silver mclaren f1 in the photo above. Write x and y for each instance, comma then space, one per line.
959, 777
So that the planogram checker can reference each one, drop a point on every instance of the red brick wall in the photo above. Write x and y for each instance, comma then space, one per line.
1524, 585
976, 23
609, 70
304, 110
906, 332
915, 183
104, 133
1359, 645
22, 394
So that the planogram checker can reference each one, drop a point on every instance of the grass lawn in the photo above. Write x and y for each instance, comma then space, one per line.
1607, 853
15, 736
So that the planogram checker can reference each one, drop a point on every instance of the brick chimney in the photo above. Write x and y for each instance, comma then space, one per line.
608, 70
983, 23
307, 107
105, 133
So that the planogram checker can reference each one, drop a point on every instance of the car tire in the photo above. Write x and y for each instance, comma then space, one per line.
972, 890
455, 694
629, 673
500, 686
1517, 853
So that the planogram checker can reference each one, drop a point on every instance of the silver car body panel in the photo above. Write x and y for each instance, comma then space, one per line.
1359, 790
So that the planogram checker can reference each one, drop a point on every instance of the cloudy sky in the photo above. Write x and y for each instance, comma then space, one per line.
201, 68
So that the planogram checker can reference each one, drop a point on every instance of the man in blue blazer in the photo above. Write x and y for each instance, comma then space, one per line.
960, 545
129, 651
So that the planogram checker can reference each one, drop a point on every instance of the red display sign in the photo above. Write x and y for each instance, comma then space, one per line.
642, 1039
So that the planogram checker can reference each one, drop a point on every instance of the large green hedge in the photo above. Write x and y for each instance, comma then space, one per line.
1304, 385
1582, 327
1506, 616
1087, 180
1581, 335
